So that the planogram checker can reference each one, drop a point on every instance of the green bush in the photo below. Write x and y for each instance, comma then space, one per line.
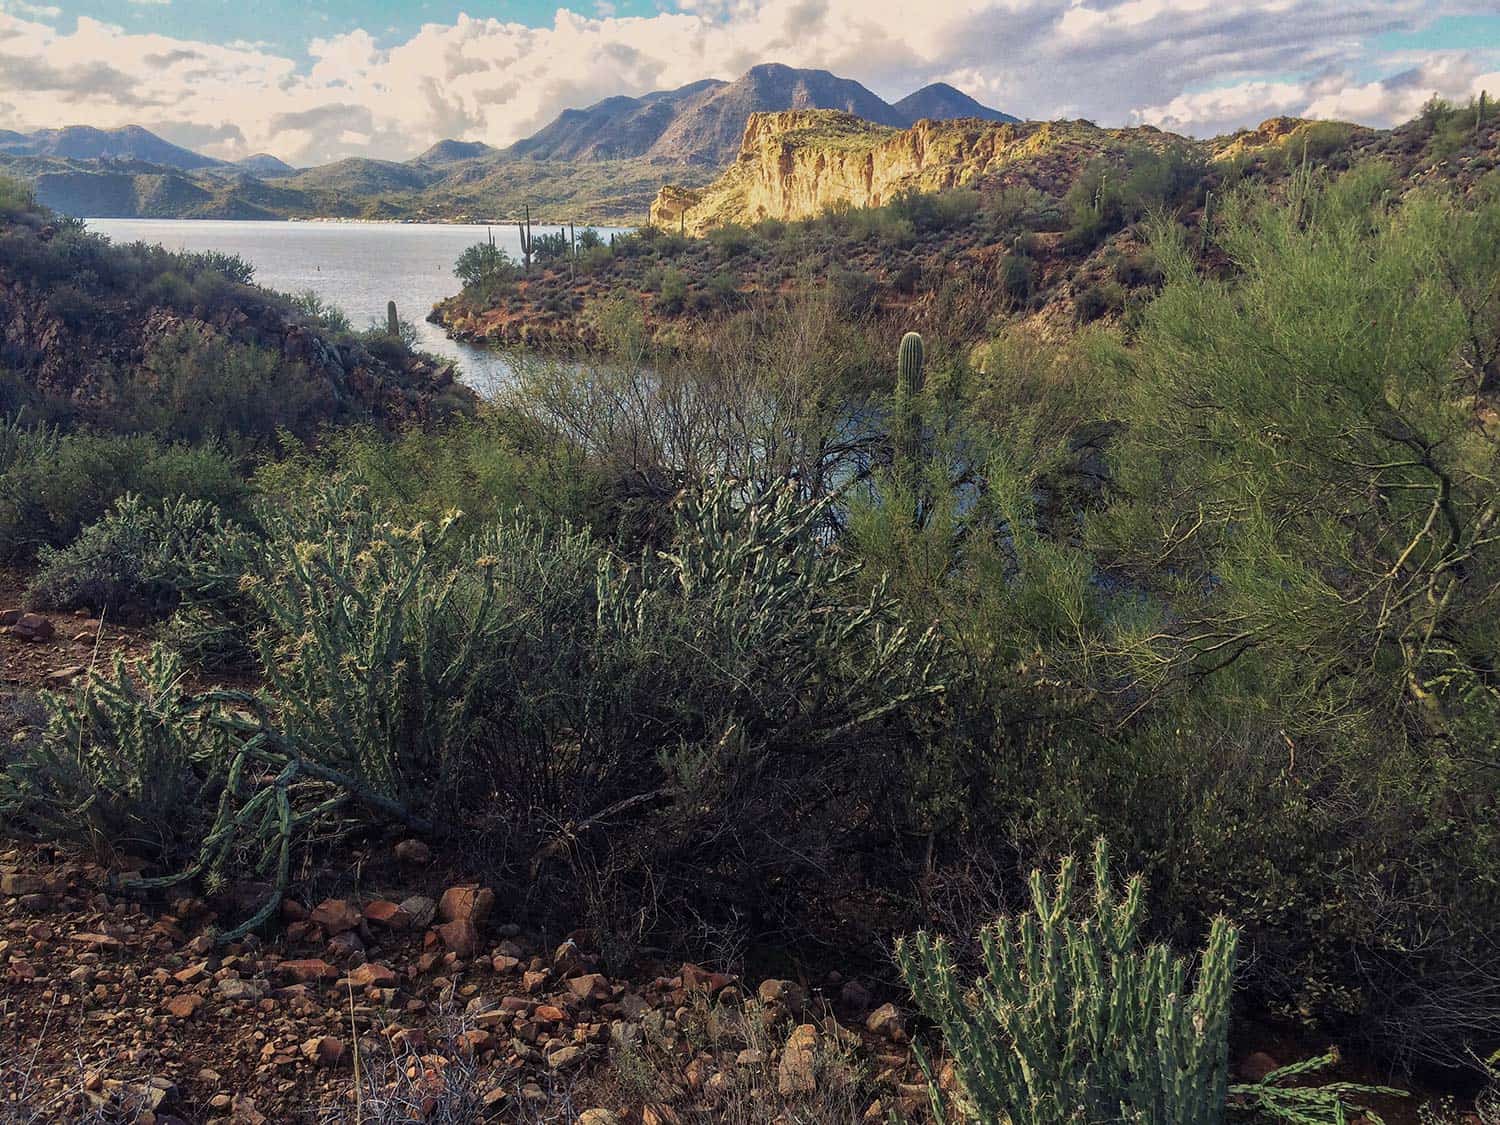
199, 386
530, 678
52, 486
131, 563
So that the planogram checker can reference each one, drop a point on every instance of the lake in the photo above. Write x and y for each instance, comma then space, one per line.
356, 267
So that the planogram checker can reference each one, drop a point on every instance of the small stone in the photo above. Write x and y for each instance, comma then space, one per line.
855, 997
796, 1073
325, 1051
565, 1057
590, 987
64, 676
335, 916
471, 903
888, 1021
420, 909
598, 1117
33, 627
387, 914
192, 974
183, 1007
460, 937
308, 971
373, 973
236, 989
414, 852
16, 884
750, 1057
788, 994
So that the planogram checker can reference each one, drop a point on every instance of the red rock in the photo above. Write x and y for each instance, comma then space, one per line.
387, 914
325, 1051
184, 1006
533, 981
335, 916
503, 964
548, 1013
192, 974
471, 903
373, 973
97, 941
590, 987
888, 1021
308, 971
460, 937
16, 884
472, 1042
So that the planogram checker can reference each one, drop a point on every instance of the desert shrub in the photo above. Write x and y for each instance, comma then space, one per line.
485, 268
731, 240
131, 561
231, 266
1096, 300
59, 484
1018, 277
851, 292
531, 677
16, 198
671, 286
200, 386
327, 316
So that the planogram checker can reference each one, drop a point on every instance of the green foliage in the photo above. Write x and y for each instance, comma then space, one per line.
671, 286
524, 674
485, 268
127, 763
132, 561
53, 485
320, 312
201, 386
1074, 1019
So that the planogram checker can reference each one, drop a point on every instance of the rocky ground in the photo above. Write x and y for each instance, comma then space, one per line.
392, 988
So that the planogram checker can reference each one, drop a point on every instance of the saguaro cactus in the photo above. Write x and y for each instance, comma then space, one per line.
525, 228
392, 321
908, 422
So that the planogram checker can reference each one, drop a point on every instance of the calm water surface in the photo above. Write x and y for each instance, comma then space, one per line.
357, 267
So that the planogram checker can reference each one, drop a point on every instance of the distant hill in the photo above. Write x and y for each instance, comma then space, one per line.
703, 123
264, 164
452, 152
84, 142
941, 102
614, 129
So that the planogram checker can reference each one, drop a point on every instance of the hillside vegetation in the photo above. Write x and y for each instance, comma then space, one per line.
774, 636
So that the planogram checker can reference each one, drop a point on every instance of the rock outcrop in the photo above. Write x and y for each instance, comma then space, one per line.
799, 163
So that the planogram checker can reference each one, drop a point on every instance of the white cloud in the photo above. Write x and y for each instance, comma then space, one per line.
1194, 65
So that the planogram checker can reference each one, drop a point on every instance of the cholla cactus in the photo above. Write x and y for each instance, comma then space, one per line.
1073, 1020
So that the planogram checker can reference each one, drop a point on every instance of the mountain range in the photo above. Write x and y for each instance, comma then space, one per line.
604, 161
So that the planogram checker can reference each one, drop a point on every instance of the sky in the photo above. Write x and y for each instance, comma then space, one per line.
316, 81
